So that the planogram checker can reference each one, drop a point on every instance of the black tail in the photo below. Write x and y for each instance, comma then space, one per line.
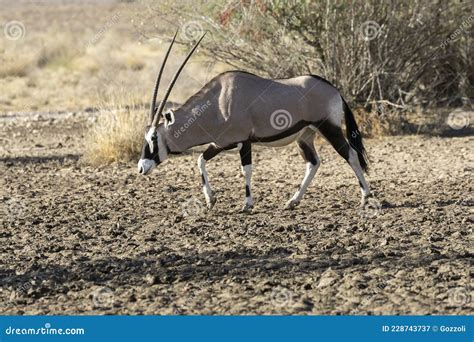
355, 137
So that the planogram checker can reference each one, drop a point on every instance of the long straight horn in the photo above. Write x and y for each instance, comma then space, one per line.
157, 84
170, 87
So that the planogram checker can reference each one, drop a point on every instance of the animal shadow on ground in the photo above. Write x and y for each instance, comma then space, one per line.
10, 161
192, 267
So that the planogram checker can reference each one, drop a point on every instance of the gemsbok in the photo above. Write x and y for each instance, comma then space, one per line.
237, 109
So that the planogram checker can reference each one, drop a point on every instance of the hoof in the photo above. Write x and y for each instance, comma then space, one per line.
211, 203
246, 208
365, 200
291, 204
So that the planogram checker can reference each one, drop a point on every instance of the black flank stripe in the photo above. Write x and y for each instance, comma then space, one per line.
290, 131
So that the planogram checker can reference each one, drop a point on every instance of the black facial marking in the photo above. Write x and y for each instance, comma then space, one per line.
203, 180
360, 184
247, 191
146, 152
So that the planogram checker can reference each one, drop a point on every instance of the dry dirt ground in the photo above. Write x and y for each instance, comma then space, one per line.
81, 240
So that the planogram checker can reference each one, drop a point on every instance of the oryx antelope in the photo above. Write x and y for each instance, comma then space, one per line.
237, 109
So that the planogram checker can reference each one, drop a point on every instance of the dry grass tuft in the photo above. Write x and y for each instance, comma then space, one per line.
14, 68
134, 62
57, 53
117, 136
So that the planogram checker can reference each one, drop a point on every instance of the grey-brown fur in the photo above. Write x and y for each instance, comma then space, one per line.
240, 105
237, 108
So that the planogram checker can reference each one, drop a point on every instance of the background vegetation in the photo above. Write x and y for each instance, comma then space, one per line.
403, 65
392, 52
73, 56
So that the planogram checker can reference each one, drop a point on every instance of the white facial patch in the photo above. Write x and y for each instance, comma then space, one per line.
149, 136
145, 166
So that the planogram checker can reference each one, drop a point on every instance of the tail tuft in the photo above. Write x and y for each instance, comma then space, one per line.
355, 137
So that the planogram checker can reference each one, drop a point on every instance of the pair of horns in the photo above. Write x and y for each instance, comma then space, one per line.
155, 113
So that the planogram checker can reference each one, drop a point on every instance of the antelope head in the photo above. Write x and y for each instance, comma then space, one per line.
154, 149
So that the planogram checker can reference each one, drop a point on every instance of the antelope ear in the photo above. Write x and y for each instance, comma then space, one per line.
168, 116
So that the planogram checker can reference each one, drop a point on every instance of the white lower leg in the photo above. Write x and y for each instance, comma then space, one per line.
206, 188
308, 177
355, 165
247, 172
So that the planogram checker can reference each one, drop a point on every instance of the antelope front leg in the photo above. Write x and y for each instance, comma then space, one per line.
246, 161
308, 152
210, 153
